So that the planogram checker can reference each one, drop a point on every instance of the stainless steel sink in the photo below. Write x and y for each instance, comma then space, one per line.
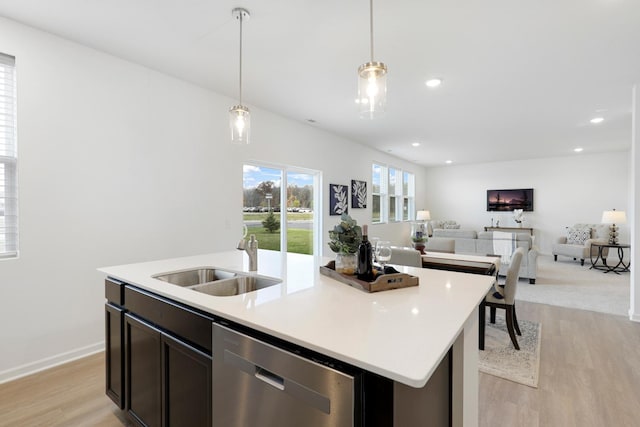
195, 276
235, 286
216, 281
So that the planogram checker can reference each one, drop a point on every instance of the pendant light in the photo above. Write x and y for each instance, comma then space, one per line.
239, 117
372, 82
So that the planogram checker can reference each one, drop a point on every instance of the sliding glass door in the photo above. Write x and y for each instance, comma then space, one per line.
282, 220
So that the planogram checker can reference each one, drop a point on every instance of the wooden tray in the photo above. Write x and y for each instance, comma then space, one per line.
384, 282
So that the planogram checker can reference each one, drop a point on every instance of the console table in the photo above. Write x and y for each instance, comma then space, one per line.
510, 229
619, 267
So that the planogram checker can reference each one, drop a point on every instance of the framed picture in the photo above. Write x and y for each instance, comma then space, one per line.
508, 200
358, 194
338, 199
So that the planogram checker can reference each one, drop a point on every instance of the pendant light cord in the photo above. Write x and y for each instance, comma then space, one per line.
240, 73
371, 26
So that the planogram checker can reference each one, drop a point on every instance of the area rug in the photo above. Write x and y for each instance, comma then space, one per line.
568, 284
500, 359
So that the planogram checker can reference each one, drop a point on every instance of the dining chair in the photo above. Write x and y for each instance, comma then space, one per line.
504, 296
405, 256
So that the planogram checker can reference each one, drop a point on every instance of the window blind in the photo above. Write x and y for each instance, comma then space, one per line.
8, 159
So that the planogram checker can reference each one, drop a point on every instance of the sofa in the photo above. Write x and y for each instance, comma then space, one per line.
441, 224
481, 243
577, 242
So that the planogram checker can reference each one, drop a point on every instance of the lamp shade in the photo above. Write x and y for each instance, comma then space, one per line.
423, 216
614, 217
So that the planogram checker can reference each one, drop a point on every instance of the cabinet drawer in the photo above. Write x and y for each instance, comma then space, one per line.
114, 291
187, 324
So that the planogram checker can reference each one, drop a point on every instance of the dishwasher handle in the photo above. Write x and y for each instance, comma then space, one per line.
269, 378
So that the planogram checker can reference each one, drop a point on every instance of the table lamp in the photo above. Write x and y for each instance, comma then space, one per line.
613, 217
418, 231
423, 216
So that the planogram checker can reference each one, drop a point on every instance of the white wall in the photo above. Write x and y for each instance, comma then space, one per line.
567, 190
120, 164
634, 197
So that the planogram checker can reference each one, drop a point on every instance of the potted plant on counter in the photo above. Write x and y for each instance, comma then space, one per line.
344, 240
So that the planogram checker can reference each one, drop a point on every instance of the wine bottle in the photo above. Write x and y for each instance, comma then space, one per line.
365, 257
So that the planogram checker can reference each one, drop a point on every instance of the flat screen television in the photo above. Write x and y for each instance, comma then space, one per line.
508, 200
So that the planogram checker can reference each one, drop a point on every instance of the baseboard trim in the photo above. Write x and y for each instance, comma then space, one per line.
634, 317
50, 362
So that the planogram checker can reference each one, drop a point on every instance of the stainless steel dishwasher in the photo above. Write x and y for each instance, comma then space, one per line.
256, 384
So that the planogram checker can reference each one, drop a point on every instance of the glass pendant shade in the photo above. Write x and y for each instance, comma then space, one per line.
372, 89
239, 124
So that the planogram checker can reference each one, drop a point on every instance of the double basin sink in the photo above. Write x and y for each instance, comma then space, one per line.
216, 281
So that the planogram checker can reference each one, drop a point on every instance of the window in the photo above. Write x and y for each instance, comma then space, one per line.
282, 220
393, 194
408, 196
8, 159
378, 193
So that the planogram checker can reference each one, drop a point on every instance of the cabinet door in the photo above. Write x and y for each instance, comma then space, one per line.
114, 353
186, 379
143, 372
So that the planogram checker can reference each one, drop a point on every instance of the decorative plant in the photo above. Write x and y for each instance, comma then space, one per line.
345, 236
419, 239
518, 216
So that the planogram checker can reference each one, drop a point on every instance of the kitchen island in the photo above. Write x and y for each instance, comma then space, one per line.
402, 335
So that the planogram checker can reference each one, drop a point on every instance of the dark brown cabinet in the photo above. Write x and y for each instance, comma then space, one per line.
159, 376
114, 341
168, 381
114, 353
143, 372
186, 383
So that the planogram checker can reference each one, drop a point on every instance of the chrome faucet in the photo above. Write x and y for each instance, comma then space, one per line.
251, 247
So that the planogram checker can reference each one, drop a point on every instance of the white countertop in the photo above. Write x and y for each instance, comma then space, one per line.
401, 334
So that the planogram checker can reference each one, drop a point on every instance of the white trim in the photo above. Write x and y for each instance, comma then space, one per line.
50, 362
633, 316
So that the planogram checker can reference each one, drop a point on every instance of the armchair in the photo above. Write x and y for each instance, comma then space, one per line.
577, 242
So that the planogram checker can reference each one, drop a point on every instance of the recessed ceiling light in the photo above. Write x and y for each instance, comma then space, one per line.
434, 82
415, 144
578, 149
597, 120
449, 162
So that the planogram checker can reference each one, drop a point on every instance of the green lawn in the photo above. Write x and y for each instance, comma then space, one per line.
298, 241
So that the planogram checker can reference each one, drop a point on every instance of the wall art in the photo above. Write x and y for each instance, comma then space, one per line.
338, 199
358, 194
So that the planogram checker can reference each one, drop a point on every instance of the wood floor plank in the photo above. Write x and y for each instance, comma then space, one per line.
68, 395
589, 376
589, 373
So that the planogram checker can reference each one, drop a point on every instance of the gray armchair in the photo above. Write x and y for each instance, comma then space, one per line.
578, 249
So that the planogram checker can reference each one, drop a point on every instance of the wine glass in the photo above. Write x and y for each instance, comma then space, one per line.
374, 246
383, 252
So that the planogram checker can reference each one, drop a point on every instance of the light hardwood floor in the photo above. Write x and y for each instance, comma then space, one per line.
589, 376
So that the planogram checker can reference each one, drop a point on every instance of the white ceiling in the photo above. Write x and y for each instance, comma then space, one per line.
521, 79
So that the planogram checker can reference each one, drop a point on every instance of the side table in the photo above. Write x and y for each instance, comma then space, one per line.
619, 267
511, 229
